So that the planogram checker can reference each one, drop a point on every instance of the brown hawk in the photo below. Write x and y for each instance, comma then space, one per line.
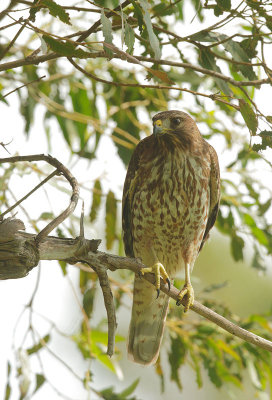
170, 202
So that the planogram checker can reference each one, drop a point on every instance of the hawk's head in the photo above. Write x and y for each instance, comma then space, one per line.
177, 125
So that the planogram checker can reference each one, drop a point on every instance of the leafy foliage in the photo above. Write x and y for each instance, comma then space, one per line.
222, 356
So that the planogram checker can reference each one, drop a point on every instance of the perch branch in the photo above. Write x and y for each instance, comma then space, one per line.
115, 262
23, 245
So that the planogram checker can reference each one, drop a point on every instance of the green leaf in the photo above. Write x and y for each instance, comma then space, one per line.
8, 387
237, 245
111, 214
207, 60
207, 36
7, 391
46, 215
129, 37
249, 116
56, 10
102, 337
82, 105
96, 200
239, 54
138, 15
211, 367
40, 379
264, 207
266, 138
88, 301
67, 49
206, 329
128, 391
196, 366
107, 31
63, 266
176, 358
154, 42
33, 10
38, 346
224, 4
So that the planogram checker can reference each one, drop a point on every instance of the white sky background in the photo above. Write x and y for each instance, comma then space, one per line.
55, 296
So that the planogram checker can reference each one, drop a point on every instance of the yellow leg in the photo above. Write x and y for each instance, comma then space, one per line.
160, 272
187, 291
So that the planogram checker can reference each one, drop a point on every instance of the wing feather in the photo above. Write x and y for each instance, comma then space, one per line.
130, 187
214, 192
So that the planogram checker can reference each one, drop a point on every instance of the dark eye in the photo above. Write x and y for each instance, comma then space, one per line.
176, 121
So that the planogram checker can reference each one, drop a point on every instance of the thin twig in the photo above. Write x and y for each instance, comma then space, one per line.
161, 87
56, 172
11, 43
67, 174
98, 23
20, 87
4, 145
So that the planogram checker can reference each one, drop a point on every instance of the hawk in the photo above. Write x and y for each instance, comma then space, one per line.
170, 203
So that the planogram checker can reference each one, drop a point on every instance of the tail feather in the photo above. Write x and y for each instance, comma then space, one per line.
147, 323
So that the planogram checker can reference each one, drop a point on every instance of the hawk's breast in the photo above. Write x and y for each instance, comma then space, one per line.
170, 209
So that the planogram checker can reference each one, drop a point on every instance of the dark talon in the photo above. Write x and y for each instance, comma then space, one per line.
178, 303
158, 293
168, 283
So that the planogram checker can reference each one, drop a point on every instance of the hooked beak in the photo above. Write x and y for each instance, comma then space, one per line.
157, 127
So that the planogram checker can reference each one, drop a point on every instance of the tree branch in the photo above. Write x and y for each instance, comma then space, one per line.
13, 265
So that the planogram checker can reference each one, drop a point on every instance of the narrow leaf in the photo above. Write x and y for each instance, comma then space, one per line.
207, 60
40, 379
128, 391
96, 200
56, 10
154, 42
67, 49
176, 358
129, 37
38, 346
8, 387
111, 213
88, 301
239, 54
162, 75
237, 245
249, 116
107, 30
224, 4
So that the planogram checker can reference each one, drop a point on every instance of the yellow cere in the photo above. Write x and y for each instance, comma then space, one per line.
158, 122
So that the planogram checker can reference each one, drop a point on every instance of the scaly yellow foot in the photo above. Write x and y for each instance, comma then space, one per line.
187, 291
160, 272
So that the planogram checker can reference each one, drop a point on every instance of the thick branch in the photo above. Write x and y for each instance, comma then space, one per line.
83, 250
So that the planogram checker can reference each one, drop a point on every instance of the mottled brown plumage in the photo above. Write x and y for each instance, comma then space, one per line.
170, 203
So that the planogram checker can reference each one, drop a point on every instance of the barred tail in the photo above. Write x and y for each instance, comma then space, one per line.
147, 323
